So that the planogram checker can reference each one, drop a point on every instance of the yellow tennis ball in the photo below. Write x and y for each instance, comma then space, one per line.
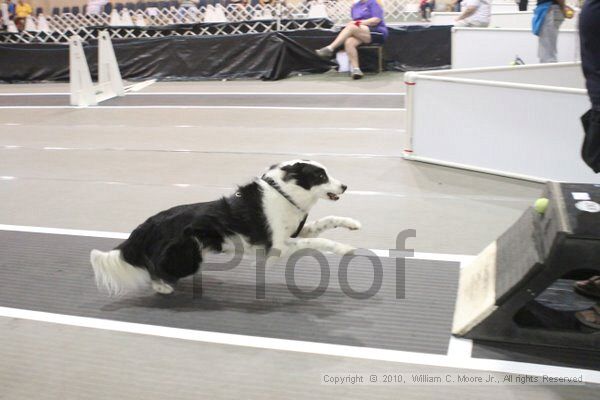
541, 205
569, 13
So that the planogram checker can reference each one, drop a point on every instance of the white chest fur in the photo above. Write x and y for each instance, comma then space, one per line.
283, 218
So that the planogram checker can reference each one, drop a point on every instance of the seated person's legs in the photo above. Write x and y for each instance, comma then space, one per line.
358, 35
351, 30
424, 11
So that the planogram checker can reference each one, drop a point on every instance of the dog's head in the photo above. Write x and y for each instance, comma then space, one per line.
304, 179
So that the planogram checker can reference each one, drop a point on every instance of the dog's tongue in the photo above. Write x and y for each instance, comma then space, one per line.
333, 196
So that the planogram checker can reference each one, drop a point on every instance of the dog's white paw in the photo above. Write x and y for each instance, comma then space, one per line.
350, 223
343, 249
162, 288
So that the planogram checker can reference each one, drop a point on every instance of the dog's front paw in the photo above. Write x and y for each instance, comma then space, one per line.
343, 249
350, 223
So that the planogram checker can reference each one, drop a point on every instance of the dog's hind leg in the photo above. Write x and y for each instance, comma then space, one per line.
180, 258
162, 287
315, 228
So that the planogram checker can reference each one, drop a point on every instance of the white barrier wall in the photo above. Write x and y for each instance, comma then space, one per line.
505, 6
562, 75
487, 47
515, 19
489, 120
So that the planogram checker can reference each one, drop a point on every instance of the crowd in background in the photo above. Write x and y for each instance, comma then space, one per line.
18, 11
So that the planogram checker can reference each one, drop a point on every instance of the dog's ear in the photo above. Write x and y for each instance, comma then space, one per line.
291, 171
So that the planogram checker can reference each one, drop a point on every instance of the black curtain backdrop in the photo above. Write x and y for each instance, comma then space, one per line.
268, 56
407, 48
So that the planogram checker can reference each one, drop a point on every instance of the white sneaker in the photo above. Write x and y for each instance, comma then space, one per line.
356, 73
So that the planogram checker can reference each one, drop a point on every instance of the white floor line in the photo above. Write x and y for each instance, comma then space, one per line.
207, 108
303, 128
460, 348
136, 87
163, 150
461, 258
60, 231
217, 93
366, 353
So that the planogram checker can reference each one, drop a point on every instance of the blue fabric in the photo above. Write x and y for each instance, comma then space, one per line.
538, 17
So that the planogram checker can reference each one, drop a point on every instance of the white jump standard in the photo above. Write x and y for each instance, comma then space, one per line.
110, 83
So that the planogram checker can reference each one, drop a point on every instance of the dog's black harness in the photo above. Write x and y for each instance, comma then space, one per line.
286, 196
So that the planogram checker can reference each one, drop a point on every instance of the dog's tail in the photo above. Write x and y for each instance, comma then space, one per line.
115, 275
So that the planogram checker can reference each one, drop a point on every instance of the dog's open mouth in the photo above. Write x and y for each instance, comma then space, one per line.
333, 196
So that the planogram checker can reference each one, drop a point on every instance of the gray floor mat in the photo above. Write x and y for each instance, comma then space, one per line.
51, 273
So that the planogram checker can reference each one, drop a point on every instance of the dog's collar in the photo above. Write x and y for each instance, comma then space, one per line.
279, 190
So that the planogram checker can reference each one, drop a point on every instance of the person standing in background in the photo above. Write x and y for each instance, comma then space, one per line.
95, 7
12, 6
589, 35
425, 5
547, 18
522, 5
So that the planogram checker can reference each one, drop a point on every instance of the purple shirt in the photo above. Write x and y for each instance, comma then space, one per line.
370, 9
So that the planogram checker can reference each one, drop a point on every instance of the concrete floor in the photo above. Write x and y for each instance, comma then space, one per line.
93, 364
108, 169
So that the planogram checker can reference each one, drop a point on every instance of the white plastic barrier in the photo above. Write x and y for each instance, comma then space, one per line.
517, 19
490, 120
505, 6
489, 47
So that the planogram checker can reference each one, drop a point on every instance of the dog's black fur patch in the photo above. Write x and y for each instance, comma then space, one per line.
168, 243
306, 175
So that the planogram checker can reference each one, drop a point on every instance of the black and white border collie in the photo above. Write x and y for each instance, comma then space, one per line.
269, 213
